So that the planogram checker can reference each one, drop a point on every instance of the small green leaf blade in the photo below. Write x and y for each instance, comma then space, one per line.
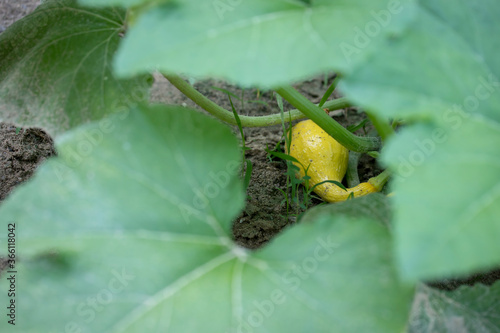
447, 196
283, 156
471, 309
55, 67
454, 68
258, 43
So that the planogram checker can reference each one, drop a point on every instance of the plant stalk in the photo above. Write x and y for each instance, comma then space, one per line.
379, 181
384, 129
246, 121
352, 176
334, 129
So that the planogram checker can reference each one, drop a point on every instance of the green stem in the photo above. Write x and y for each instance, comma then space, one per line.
395, 124
379, 181
334, 129
246, 121
382, 126
352, 176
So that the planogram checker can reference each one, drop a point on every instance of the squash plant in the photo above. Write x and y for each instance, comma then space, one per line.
129, 228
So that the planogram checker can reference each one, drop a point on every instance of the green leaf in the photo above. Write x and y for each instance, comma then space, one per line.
354, 128
455, 68
260, 42
355, 290
123, 3
227, 92
374, 206
447, 198
136, 237
282, 156
468, 309
55, 67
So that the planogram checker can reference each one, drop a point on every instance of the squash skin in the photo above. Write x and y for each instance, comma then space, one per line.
334, 193
327, 160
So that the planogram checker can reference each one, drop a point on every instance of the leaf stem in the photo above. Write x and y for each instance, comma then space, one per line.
246, 121
384, 129
334, 129
352, 176
379, 181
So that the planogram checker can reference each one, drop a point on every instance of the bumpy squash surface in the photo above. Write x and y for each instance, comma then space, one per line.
325, 159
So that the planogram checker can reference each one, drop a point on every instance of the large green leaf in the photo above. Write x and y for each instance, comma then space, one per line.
447, 198
134, 236
375, 206
448, 195
55, 67
258, 42
445, 65
468, 309
123, 3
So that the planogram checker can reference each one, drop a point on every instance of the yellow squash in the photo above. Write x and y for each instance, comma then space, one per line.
326, 159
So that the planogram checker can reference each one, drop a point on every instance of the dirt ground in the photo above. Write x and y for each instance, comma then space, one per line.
23, 149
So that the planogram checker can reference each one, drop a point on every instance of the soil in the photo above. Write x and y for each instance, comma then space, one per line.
22, 150
13, 10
